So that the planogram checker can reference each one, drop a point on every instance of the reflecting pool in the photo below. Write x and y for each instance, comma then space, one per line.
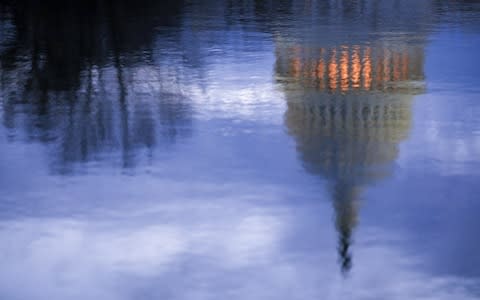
206, 149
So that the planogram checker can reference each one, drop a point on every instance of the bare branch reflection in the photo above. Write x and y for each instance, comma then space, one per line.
86, 78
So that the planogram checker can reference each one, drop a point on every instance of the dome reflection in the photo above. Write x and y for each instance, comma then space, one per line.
348, 109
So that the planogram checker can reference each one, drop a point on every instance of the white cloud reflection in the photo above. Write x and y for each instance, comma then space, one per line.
200, 254
55, 257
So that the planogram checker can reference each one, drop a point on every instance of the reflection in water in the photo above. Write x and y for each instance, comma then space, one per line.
81, 78
358, 68
349, 116
116, 80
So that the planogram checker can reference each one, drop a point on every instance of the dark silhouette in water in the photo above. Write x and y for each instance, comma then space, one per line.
81, 76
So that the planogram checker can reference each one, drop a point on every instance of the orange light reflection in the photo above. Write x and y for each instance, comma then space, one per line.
332, 71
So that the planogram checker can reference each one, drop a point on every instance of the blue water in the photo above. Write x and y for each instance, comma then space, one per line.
239, 149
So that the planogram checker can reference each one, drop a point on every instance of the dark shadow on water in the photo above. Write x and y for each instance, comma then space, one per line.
80, 76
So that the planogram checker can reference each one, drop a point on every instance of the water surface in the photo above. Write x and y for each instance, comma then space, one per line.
239, 149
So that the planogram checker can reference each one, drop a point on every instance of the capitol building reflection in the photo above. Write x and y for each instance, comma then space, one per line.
348, 109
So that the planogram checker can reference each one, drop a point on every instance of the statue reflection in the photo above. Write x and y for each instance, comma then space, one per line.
348, 108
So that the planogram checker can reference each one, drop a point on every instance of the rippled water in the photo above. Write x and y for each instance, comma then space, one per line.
239, 149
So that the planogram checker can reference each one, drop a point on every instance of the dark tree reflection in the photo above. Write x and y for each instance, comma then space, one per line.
87, 77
